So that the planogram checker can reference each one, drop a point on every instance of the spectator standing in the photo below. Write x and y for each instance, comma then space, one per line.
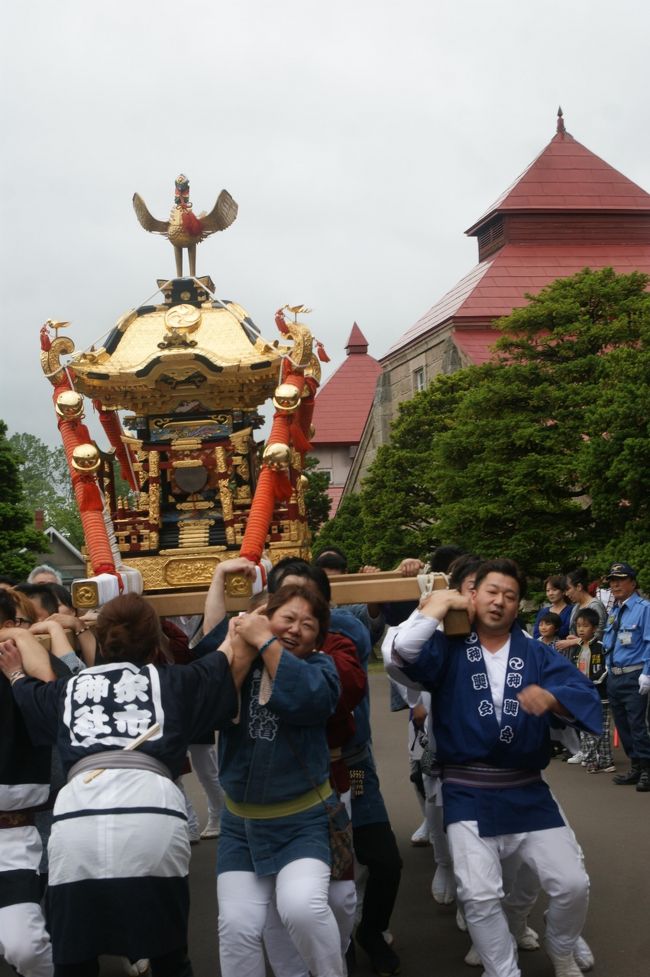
578, 592
590, 659
549, 625
627, 645
555, 587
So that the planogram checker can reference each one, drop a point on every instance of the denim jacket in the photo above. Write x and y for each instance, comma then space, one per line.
278, 751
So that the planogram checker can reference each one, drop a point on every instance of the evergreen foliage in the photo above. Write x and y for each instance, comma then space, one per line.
19, 541
541, 454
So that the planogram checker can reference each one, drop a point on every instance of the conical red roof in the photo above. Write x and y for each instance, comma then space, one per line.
566, 203
343, 403
568, 176
357, 342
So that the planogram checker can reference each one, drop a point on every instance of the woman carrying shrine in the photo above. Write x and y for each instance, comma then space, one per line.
119, 849
274, 765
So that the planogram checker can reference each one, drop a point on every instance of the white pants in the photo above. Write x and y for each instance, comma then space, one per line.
434, 815
24, 941
206, 768
283, 956
554, 856
192, 817
301, 896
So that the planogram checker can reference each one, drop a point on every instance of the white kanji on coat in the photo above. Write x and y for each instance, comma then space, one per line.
510, 707
131, 686
485, 708
132, 721
474, 654
514, 680
480, 681
90, 721
88, 687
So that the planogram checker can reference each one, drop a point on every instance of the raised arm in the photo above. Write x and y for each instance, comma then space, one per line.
413, 634
215, 601
35, 659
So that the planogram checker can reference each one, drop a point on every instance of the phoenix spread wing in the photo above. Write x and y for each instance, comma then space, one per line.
221, 216
147, 220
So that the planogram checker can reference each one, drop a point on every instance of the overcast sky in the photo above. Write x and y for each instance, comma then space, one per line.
359, 137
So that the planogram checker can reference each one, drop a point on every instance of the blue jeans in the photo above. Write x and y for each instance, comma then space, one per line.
630, 712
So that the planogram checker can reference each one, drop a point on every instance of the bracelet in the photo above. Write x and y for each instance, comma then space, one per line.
266, 644
16, 675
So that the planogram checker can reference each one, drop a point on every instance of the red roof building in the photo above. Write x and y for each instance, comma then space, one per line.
341, 410
567, 211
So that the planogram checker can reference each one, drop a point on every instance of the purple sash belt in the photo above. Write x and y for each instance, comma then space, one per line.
482, 775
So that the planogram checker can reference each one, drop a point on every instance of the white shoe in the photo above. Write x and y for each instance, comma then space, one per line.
528, 939
212, 828
460, 920
443, 887
472, 958
576, 758
420, 838
583, 955
565, 965
136, 968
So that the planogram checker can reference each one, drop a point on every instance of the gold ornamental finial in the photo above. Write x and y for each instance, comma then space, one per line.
297, 310
56, 324
560, 129
184, 229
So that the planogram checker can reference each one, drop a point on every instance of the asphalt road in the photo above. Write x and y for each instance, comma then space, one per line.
612, 824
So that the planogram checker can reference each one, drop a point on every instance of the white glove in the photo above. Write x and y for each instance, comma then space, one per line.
644, 684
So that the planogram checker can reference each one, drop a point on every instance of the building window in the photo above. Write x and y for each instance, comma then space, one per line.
418, 379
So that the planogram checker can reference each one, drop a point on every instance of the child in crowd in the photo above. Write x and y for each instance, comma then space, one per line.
549, 626
590, 660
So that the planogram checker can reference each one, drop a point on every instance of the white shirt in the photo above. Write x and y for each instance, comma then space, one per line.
496, 666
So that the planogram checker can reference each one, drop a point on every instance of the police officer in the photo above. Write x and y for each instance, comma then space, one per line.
627, 645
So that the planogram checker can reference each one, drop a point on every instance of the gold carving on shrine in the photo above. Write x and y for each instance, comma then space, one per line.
238, 585
190, 571
86, 594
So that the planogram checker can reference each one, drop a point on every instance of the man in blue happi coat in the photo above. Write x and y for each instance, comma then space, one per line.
495, 696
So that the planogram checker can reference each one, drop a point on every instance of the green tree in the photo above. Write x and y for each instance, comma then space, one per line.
46, 481
19, 541
399, 500
317, 500
344, 531
538, 454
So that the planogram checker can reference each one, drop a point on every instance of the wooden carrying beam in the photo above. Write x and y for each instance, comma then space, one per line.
350, 588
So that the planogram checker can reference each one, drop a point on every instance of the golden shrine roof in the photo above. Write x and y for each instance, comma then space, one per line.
158, 354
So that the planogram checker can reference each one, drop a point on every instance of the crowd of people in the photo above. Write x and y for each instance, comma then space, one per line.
100, 714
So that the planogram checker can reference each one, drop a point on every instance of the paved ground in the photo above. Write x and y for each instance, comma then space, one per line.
612, 823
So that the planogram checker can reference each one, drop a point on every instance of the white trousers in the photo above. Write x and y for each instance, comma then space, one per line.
301, 897
206, 768
283, 956
24, 941
554, 856
434, 815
